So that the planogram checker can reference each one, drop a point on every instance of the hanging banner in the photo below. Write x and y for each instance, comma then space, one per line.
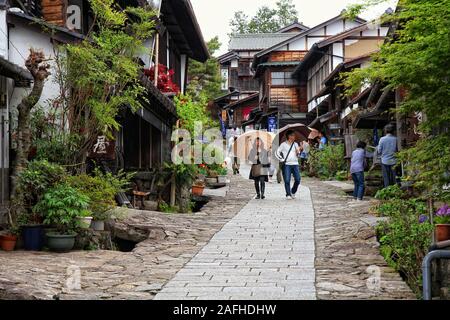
272, 124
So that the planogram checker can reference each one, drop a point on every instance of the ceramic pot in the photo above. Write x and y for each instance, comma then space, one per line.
60, 242
197, 190
85, 222
222, 179
98, 225
33, 237
8, 242
442, 232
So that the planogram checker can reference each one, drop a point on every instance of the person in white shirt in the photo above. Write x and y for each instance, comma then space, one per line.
288, 153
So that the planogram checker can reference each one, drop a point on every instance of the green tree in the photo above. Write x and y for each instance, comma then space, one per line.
416, 59
266, 20
204, 78
99, 76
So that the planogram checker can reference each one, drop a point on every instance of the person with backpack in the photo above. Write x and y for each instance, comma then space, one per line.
357, 168
288, 154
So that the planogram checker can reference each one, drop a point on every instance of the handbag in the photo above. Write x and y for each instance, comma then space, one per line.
257, 170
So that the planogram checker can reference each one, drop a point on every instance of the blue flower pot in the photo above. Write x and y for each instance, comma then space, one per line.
33, 237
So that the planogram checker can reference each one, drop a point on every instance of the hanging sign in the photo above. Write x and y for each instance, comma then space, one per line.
272, 124
103, 149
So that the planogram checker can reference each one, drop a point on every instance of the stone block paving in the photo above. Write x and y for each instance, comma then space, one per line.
348, 260
169, 241
265, 252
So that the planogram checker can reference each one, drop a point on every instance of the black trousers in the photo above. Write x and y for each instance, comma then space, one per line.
260, 185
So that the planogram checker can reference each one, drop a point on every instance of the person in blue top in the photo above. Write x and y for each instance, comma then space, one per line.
323, 141
358, 163
387, 148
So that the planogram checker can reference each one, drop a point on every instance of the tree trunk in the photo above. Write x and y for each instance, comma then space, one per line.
183, 197
39, 70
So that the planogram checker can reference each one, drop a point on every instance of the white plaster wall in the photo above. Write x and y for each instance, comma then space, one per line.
22, 39
349, 24
318, 32
338, 51
370, 32
146, 56
384, 31
335, 28
3, 35
312, 41
299, 44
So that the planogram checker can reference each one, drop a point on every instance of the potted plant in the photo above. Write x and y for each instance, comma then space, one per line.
202, 172
222, 175
442, 221
61, 207
99, 218
8, 241
101, 189
85, 220
198, 187
33, 183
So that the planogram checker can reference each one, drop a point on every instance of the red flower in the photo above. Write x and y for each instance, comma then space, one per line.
165, 79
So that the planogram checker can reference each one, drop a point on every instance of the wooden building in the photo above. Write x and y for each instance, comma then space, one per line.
281, 93
144, 139
240, 87
327, 109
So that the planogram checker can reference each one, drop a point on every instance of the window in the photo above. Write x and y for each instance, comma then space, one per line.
283, 79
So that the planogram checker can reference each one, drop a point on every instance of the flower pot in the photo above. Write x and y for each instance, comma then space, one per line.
222, 179
33, 237
84, 222
98, 225
60, 242
211, 180
8, 242
197, 190
442, 232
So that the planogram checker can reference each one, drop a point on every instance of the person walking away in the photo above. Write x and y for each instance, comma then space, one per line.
259, 157
357, 167
322, 141
387, 148
304, 154
236, 166
288, 153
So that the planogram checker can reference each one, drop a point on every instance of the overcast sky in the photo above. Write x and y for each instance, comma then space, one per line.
214, 15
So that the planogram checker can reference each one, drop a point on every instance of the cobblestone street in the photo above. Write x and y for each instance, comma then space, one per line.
265, 252
319, 246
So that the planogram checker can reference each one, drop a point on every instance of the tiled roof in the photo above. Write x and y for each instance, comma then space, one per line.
259, 41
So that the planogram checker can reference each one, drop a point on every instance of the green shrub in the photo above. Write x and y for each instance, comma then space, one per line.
61, 206
405, 237
327, 163
389, 193
36, 179
101, 189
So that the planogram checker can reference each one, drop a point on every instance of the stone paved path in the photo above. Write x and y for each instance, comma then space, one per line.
348, 260
265, 252
169, 242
